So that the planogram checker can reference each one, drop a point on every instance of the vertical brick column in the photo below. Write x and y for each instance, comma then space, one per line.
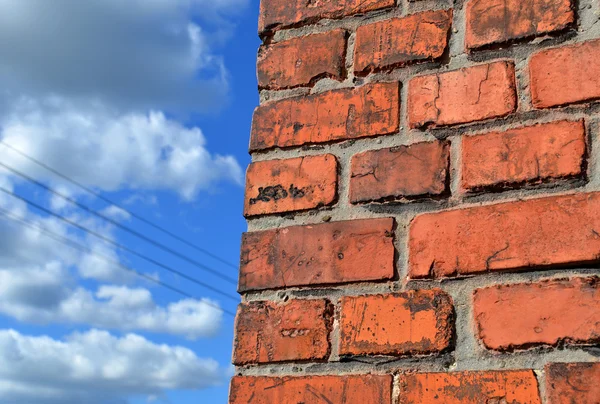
423, 204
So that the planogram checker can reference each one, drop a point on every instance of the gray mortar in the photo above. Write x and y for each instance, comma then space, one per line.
468, 354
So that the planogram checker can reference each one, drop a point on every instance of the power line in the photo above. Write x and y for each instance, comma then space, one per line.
84, 249
116, 223
133, 214
104, 238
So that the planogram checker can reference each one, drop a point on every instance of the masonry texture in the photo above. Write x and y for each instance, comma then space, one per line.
423, 205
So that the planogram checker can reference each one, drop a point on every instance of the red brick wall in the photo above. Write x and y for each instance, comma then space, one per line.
423, 205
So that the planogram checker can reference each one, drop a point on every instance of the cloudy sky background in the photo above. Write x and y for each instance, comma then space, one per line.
147, 102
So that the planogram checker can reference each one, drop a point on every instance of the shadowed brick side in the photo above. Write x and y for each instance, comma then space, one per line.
271, 332
514, 235
384, 44
542, 313
364, 389
413, 322
339, 252
336, 115
568, 383
496, 21
492, 387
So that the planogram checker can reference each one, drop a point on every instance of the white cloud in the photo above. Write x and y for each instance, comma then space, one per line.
100, 147
96, 368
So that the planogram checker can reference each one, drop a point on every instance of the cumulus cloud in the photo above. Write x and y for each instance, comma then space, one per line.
102, 148
96, 367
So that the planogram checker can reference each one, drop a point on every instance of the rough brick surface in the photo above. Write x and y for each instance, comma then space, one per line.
494, 21
565, 75
514, 235
531, 154
573, 383
289, 185
384, 43
413, 322
542, 313
335, 115
276, 13
312, 390
420, 169
300, 61
493, 387
271, 332
339, 252
462, 96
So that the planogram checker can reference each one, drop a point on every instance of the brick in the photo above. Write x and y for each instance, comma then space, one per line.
384, 44
560, 230
543, 313
296, 184
270, 332
568, 383
531, 154
497, 21
276, 14
312, 389
413, 322
330, 253
491, 387
462, 96
566, 75
300, 61
336, 115
417, 170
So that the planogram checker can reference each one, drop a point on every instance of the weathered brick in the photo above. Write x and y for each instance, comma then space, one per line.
565, 75
384, 44
531, 154
540, 232
413, 322
270, 332
278, 14
542, 313
497, 21
417, 170
491, 387
344, 114
462, 96
302, 183
300, 61
339, 252
573, 383
312, 390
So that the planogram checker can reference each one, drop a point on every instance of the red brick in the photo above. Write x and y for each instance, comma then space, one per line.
531, 154
278, 14
417, 170
491, 387
569, 383
301, 183
270, 332
413, 322
497, 21
366, 389
565, 75
350, 113
462, 96
339, 252
543, 313
384, 43
299, 61
541, 232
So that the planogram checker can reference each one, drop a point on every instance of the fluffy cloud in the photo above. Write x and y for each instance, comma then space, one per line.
102, 148
96, 368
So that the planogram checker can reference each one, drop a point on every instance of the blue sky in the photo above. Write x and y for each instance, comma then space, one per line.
148, 102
